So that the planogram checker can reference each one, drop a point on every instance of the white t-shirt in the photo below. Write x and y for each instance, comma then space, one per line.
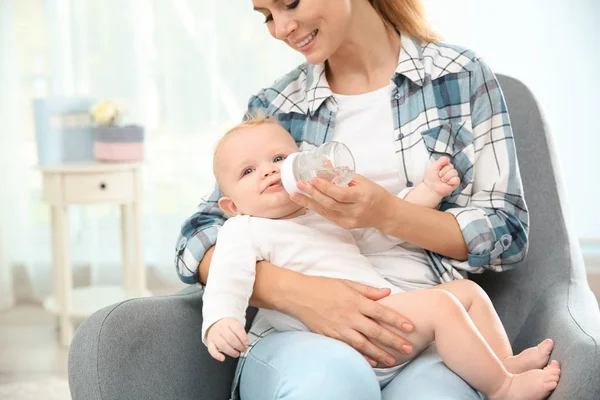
309, 244
365, 124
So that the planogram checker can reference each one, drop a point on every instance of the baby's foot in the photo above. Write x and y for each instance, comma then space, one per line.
532, 358
531, 385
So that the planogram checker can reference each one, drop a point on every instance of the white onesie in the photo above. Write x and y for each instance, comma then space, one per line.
309, 244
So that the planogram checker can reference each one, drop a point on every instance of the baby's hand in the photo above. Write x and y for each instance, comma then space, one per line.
227, 336
441, 177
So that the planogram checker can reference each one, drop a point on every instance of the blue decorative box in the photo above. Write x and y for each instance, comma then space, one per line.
63, 129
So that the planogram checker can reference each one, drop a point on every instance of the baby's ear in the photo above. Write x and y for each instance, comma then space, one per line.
227, 205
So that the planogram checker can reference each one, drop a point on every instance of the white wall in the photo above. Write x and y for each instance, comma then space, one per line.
554, 47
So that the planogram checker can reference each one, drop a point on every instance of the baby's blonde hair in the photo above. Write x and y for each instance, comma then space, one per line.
251, 119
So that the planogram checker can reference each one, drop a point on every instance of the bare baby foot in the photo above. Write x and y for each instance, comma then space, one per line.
532, 358
531, 385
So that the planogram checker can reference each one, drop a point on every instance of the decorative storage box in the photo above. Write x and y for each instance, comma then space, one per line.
63, 129
119, 143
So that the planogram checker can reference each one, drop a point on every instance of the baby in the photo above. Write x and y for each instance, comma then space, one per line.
267, 225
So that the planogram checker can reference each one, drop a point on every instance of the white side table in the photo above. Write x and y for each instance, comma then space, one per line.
92, 183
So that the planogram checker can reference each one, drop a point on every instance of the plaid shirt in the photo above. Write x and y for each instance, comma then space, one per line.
445, 97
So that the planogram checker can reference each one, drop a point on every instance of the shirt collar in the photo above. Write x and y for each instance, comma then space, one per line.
410, 62
409, 65
317, 87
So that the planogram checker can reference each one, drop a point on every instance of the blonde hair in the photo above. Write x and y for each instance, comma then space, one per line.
406, 16
250, 119
253, 118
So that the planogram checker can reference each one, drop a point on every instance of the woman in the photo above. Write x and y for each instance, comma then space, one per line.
377, 80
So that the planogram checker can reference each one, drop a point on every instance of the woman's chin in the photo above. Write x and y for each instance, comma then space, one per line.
315, 61
315, 58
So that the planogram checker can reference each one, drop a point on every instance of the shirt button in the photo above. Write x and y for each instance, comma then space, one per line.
397, 96
506, 241
409, 184
401, 136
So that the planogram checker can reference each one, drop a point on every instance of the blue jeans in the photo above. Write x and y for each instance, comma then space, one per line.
306, 366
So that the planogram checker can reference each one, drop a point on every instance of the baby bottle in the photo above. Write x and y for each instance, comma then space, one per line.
331, 161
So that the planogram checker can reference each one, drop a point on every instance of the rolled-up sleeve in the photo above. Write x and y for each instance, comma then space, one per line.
495, 222
198, 234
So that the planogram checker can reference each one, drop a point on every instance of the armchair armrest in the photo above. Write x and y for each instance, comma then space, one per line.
568, 313
147, 348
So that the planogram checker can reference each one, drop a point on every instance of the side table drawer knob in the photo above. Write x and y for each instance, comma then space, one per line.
99, 187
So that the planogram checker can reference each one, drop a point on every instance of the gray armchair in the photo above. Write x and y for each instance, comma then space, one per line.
151, 348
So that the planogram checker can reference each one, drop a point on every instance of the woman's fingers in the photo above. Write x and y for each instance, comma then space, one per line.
306, 202
341, 310
361, 344
378, 313
369, 292
338, 193
321, 198
315, 206
371, 362
362, 204
374, 329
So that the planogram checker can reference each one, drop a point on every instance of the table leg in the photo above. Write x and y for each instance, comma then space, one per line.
6, 286
139, 281
62, 275
126, 246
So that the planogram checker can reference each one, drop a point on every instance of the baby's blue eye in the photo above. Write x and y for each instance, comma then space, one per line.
279, 159
247, 171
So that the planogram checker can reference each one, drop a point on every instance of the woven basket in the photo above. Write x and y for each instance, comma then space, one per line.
119, 143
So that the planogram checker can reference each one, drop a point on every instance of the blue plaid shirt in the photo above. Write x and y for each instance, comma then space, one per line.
445, 97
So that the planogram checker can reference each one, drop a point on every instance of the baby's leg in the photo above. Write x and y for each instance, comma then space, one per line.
482, 312
438, 315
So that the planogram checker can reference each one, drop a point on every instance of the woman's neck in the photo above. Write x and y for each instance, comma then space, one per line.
367, 58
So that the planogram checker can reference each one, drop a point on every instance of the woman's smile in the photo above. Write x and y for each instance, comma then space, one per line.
306, 43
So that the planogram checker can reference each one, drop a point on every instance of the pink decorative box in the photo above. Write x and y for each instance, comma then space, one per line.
119, 143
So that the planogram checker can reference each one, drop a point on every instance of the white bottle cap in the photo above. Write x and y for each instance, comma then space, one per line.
288, 180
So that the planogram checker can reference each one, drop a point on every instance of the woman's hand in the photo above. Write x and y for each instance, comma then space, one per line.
363, 204
349, 312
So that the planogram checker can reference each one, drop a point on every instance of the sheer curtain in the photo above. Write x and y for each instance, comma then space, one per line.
185, 69
9, 98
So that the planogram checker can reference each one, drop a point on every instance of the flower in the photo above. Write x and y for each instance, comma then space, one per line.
106, 112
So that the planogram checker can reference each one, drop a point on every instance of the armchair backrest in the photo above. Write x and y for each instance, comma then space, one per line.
554, 257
